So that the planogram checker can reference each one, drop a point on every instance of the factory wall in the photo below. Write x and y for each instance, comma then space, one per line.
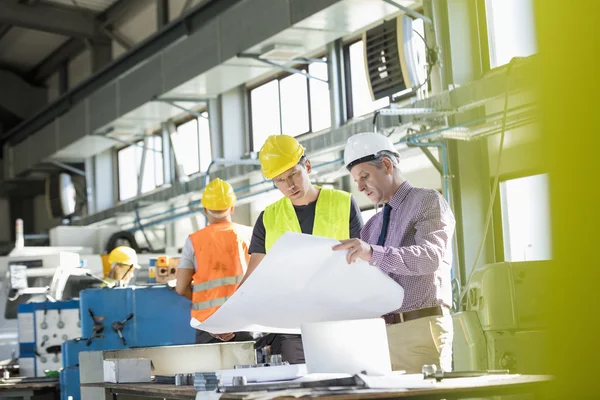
6, 225
42, 221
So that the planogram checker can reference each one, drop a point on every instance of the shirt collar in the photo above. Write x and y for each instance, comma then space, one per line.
400, 194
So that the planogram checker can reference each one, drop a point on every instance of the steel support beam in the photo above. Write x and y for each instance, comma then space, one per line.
63, 78
281, 66
62, 21
432, 159
116, 11
101, 54
186, 6
4, 29
410, 12
54, 61
90, 184
183, 27
68, 167
168, 170
187, 110
73, 47
19, 97
115, 35
337, 87
162, 13
142, 169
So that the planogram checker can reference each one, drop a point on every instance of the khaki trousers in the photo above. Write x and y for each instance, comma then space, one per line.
421, 342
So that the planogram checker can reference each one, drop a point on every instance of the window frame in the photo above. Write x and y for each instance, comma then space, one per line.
190, 117
484, 37
497, 220
138, 143
278, 77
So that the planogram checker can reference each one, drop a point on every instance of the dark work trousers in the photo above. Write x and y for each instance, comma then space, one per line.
289, 346
203, 337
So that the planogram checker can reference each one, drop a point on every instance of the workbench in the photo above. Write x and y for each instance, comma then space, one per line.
16, 388
449, 389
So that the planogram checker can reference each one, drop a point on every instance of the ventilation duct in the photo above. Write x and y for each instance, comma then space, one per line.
393, 63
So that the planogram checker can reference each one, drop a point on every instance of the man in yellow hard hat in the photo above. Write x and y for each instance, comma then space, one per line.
123, 261
304, 209
214, 260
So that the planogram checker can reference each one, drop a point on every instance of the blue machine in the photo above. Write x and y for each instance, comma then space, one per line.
122, 318
43, 327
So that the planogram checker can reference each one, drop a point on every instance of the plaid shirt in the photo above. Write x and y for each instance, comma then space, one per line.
417, 250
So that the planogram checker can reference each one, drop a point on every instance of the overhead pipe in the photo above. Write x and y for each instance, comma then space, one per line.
414, 139
228, 162
192, 204
188, 213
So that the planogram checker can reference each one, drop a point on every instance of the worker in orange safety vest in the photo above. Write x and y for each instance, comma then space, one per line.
214, 260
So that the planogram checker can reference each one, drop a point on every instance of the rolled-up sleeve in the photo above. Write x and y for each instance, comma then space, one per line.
434, 228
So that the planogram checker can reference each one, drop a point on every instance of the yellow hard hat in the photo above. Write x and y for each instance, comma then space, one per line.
123, 255
218, 195
278, 154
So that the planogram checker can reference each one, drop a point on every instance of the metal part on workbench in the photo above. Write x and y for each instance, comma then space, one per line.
239, 381
353, 382
431, 372
275, 362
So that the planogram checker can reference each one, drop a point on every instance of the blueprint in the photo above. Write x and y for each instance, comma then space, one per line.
302, 280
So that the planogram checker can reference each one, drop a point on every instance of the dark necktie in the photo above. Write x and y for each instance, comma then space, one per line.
384, 227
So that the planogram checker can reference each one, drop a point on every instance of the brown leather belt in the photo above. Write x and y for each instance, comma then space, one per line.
398, 318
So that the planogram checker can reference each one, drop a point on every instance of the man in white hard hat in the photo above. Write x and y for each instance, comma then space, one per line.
410, 241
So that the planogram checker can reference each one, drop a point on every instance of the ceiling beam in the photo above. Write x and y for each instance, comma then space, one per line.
116, 11
74, 47
62, 21
54, 61
4, 30
181, 28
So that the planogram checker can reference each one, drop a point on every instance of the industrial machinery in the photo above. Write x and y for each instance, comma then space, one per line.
32, 276
43, 328
124, 318
502, 326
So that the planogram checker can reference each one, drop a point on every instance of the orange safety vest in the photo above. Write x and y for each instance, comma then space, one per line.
221, 258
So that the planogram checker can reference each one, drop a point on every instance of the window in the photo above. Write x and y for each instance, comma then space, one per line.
128, 168
130, 160
192, 146
265, 112
362, 102
205, 144
319, 98
511, 30
153, 168
526, 218
292, 104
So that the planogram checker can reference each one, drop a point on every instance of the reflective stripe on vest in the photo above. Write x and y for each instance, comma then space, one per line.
230, 280
221, 260
203, 305
332, 217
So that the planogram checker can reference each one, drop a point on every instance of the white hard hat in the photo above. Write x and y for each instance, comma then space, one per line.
365, 147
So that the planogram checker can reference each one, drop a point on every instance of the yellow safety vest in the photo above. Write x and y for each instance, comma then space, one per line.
332, 217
